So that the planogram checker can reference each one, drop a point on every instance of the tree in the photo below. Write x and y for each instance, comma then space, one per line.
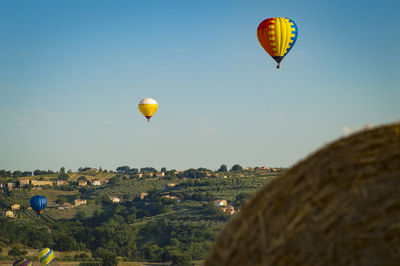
132, 171
114, 180
81, 256
223, 168
16, 252
26, 173
153, 253
236, 167
163, 169
171, 175
181, 259
65, 242
17, 173
83, 169
108, 258
62, 175
241, 199
80, 215
123, 169
82, 178
39, 172
61, 200
148, 169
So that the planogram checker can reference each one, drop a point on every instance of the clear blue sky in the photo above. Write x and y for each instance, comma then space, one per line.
73, 72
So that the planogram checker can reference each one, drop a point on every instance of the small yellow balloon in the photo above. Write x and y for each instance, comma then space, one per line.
148, 107
45, 256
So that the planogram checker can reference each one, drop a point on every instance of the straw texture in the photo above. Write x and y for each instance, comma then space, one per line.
340, 206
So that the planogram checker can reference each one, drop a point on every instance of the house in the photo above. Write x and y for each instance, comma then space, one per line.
143, 195
172, 197
229, 209
82, 183
67, 205
11, 185
168, 185
2, 185
160, 174
248, 168
140, 175
60, 208
115, 199
15, 207
96, 182
79, 202
220, 202
41, 183
24, 182
10, 214
59, 182
148, 174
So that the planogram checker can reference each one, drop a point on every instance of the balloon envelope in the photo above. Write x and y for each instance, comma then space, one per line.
45, 256
277, 36
148, 107
22, 262
38, 203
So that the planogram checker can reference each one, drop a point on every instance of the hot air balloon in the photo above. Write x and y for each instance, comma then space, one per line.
277, 36
38, 203
22, 262
148, 107
45, 256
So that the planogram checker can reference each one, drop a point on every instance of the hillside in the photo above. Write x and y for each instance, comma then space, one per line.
143, 216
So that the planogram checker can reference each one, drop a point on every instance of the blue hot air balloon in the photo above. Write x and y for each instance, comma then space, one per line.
38, 203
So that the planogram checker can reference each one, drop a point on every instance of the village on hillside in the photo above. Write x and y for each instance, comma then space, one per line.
38, 181
165, 215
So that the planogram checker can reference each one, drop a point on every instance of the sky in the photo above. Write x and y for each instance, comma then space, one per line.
72, 73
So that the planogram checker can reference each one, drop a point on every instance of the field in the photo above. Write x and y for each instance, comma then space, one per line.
29, 217
22, 196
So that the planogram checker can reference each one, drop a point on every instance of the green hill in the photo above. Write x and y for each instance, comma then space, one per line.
172, 218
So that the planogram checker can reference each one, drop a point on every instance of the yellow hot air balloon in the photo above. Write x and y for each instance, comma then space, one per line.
45, 256
148, 107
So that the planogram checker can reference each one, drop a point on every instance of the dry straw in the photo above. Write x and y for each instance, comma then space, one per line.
340, 206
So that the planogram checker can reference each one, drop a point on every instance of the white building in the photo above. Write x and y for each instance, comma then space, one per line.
115, 199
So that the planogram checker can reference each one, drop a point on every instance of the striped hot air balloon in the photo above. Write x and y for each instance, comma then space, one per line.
45, 256
22, 262
277, 36
148, 107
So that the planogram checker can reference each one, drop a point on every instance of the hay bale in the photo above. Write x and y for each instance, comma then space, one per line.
340, 206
